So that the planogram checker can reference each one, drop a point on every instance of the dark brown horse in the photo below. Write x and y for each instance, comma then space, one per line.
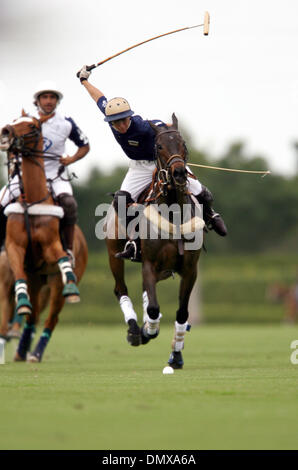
170, 242
36, 262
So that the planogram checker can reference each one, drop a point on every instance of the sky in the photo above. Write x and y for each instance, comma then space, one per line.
238, 83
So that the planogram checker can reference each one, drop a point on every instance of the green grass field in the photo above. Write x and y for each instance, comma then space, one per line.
238, 390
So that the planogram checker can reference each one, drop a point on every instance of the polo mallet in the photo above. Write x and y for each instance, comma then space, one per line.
206, 32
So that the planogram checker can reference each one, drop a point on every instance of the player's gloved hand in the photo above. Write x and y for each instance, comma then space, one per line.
83, 74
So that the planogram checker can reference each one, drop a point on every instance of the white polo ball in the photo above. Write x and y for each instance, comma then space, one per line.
168, 370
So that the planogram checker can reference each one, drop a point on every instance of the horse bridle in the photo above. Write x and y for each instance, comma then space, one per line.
18, 142
19, 146
164, 175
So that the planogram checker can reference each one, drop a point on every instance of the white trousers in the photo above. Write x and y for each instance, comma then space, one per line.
139, 176
13, 191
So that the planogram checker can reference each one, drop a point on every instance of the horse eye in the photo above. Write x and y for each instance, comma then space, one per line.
159, 147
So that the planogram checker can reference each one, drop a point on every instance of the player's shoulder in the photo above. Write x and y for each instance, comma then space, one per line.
144, 124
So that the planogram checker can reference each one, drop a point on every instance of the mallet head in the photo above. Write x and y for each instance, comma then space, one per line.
206, 23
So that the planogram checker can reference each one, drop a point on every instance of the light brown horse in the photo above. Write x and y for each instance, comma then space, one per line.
162, 256
35, 256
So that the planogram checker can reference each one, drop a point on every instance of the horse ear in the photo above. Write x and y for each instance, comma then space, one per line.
154, 127
24, 114
175, 121
45, 117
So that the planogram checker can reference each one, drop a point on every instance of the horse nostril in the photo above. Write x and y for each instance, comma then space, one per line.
180, 172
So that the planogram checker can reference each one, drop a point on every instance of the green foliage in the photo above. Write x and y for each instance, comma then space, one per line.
3, 168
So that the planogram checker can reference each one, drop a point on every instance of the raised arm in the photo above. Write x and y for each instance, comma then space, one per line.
94, 92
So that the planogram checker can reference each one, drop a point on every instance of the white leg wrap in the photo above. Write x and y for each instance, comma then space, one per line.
64, 267
178, 341
127, 308
21, 288
145, 314
145, 305
152, 326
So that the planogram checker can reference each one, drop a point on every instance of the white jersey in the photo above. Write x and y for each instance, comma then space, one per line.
56, 131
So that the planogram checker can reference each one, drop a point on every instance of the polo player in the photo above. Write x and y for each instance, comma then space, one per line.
136, 137
56, 130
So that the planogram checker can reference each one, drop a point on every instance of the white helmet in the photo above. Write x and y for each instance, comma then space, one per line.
47, 87
117, 108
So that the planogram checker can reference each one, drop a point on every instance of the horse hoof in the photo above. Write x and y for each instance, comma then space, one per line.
145, 338
18, 358
70, 290
133, 333
24, 310
5, 337
176, 360
14, 334
23, 307
73, 299
32, 358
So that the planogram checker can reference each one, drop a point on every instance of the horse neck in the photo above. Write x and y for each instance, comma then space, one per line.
174, 196
33, 176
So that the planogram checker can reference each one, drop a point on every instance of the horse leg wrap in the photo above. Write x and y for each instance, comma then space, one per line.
178, 341
18, 319
26, 340
127, 308
145, 305
42, 343
70, 290
66, 270
22, 297
151, 327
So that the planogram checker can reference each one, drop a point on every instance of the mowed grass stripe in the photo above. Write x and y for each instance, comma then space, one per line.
238, 390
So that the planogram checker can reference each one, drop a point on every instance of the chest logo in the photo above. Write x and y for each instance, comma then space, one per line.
47, 143
134, 143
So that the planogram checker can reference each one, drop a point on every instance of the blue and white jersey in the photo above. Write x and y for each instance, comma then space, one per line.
138, 142
56, 131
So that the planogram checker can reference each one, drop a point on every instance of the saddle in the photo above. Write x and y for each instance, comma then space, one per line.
28, 258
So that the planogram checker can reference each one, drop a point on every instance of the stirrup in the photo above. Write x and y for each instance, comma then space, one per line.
129, 252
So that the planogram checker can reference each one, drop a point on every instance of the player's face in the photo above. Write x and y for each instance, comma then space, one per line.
47, 102
121, 125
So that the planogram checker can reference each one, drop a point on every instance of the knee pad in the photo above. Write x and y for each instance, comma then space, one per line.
122, 194
70, 207
205, 196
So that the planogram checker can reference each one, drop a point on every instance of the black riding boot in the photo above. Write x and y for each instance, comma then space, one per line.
212, 219
3, 220
132, 247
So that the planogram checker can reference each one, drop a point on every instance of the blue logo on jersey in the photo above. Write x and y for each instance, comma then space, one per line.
47, 143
